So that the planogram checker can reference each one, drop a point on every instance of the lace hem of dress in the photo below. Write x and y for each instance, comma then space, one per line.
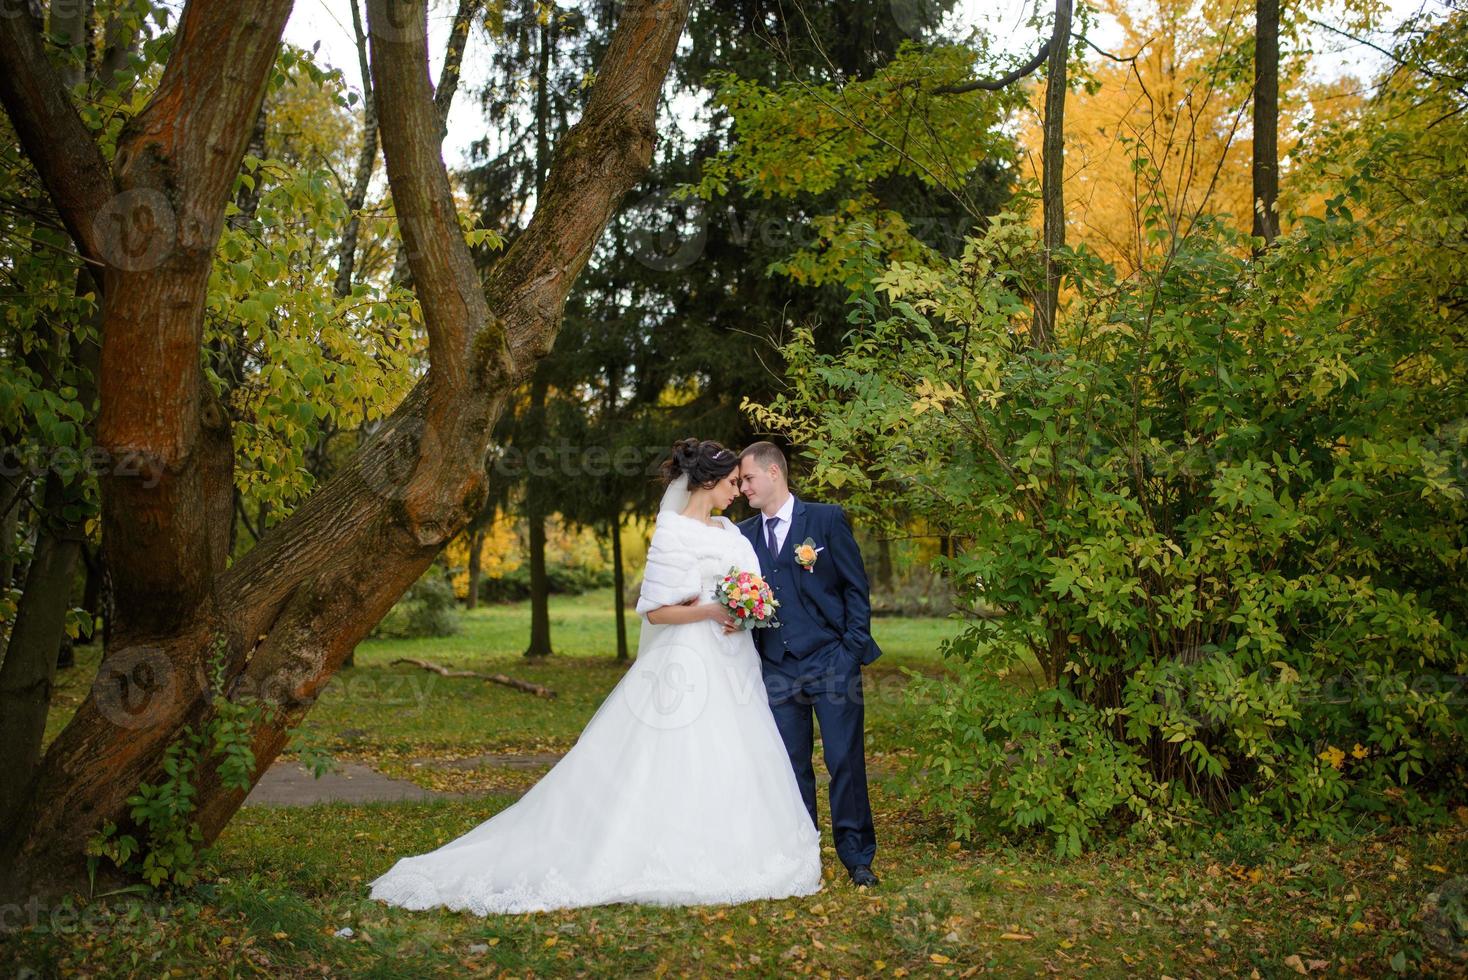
781, 876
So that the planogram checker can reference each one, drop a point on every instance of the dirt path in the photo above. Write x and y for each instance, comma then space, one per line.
291, 784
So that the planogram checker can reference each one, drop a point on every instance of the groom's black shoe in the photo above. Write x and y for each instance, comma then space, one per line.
862, 877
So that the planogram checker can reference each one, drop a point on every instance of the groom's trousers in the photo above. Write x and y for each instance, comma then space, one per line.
827, 685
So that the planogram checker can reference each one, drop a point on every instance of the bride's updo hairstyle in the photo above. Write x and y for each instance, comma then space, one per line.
703, 461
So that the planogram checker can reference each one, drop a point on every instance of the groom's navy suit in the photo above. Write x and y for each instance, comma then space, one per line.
813, 661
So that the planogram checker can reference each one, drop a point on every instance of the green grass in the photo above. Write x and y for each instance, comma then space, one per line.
392, 715
284, 880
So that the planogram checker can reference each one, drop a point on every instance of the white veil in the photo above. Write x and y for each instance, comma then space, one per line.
675, 499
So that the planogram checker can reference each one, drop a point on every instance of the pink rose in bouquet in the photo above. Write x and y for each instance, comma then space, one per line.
748, 598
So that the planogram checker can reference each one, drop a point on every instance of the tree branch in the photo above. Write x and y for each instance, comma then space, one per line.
539, 690
1003, 81
1052, 180
51, 133
1392, 56
1119, 59
443, 99
346, 253
453, 60
444, 277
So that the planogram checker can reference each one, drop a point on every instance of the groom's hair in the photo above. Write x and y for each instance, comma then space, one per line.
765, 454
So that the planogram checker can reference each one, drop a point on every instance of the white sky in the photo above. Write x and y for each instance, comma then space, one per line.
330, 22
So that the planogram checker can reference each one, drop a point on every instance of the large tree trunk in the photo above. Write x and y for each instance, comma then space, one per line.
1052, 176
29, 669
537, 488
619, 582
10, 491
38, 643
1266, 120
882, 575
476, 545
536, 513
92, 593
293, 606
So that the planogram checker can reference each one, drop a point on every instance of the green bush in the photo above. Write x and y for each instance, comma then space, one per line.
428, 608
1220, 519
917, 592
562, 580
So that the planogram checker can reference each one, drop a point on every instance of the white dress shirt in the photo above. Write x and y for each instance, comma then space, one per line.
787, 509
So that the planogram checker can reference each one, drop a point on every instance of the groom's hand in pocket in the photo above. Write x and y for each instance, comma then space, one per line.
845, 659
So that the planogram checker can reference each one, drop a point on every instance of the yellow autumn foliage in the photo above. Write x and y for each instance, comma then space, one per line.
503, 549
1181, 103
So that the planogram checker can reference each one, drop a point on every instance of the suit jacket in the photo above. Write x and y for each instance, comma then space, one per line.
834, 592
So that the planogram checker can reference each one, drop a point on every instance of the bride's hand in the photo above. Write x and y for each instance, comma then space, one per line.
717, 612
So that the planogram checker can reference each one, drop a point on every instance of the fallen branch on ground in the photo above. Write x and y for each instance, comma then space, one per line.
526, 686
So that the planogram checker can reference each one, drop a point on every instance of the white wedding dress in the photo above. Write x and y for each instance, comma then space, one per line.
679, 790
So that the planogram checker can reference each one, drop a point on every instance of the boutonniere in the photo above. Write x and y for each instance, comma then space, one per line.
805, 554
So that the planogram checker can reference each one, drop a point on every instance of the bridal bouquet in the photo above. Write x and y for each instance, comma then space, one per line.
748, 598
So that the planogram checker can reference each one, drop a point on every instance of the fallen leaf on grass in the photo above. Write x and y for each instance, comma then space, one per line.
1016, 935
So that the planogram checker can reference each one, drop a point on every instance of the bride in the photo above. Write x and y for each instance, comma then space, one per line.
679, 790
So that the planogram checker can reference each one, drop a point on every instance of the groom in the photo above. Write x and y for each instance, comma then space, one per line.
813, 660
